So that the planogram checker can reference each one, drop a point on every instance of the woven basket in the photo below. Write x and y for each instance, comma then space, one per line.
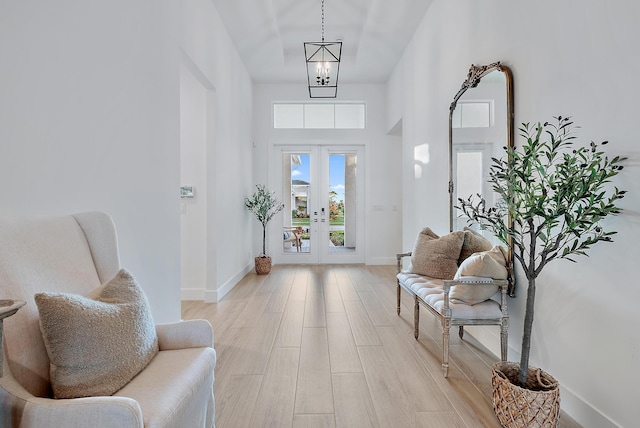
263, 265
536, 405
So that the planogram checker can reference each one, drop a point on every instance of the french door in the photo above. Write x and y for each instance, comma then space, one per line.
323, 218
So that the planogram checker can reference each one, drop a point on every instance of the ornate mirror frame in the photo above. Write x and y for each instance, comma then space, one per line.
475, 74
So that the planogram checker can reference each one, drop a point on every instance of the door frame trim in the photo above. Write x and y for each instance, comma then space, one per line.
274, 245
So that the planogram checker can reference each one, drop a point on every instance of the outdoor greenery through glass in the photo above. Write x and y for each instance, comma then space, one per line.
300, 215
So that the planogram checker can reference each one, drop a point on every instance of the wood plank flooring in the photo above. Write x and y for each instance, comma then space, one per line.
321, 346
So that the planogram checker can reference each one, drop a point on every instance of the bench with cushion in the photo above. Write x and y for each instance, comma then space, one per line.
462, 279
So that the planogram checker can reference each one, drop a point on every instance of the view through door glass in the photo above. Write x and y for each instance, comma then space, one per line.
342, 203
326, 212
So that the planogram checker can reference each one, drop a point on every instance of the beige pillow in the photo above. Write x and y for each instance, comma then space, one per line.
97, 344
473, 243
436, 257
487, 264
427, 231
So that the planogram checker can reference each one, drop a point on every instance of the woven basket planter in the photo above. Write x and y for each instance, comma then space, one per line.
263, 265
536, 405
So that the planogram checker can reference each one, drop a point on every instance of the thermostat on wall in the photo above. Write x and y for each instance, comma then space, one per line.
187, 191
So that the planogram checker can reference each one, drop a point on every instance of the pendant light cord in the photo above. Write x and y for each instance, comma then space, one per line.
322, 16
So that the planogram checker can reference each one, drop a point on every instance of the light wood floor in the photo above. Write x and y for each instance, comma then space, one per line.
322, 346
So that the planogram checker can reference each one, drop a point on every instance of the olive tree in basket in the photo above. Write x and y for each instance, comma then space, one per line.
264, 205
557, 194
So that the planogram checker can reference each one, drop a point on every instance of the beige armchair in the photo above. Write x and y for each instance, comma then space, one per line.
76, 254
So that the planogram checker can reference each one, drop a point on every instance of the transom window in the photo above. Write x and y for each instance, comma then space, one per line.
319, 116
473, 114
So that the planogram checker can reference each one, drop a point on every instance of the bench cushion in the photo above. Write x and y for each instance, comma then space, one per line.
431, 291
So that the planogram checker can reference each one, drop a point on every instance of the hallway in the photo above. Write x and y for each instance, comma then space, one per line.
322, 346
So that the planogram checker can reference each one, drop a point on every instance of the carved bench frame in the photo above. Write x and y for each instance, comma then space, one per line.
446, 316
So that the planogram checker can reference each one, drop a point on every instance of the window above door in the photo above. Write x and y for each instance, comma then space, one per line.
319, 115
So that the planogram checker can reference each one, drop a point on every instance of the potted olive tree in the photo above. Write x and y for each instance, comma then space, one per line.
557, 195
264, 205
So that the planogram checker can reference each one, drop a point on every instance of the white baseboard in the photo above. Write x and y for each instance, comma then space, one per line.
192, 294
489, 337
582, 412
381, 261
213, 296
217, 295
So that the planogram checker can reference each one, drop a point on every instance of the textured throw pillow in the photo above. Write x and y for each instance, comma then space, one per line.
487, 264
436, 257
97, 344
427, 231
473, 243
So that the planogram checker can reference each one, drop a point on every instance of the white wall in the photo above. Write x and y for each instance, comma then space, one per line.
568, 58
89, 121
209, 55
382, 171
395, 98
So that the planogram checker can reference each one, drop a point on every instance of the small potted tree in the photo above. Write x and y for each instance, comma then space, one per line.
264, 205
557, 195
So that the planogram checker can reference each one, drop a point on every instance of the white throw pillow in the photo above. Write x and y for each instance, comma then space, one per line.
487, 264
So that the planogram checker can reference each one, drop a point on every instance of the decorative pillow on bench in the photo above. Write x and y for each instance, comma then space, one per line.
486, 264
434, 256
97, 344
473, 243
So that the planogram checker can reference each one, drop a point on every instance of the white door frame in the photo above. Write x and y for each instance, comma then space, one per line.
319, 254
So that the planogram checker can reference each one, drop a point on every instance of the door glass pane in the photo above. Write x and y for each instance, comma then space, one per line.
468, 178
342, 203
296, 181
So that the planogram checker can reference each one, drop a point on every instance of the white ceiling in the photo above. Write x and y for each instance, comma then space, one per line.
269, 35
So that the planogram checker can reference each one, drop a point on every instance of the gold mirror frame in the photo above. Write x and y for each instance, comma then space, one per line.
475, 74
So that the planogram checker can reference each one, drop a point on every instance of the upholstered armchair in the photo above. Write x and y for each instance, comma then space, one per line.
69, 256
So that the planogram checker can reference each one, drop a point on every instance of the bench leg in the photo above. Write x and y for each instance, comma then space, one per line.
416, 318
461, 331
398, 298
504, 339
446, 327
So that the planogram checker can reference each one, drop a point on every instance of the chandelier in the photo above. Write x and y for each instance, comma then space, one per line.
323, 64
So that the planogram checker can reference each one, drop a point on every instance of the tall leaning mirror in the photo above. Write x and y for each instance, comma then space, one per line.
480, 126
